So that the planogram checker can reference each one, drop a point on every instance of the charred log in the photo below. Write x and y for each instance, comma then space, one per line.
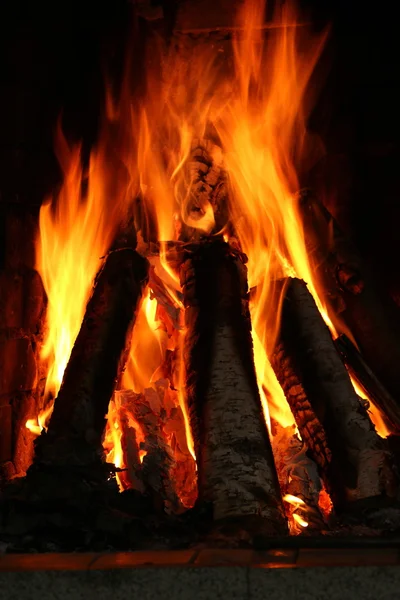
236, 471
206, 201
309, 426
368, 381
360, 466
352, 294
96, 363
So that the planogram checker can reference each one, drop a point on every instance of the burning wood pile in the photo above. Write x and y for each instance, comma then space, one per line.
235, 382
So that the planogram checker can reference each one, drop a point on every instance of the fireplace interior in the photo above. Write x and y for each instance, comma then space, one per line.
199, 296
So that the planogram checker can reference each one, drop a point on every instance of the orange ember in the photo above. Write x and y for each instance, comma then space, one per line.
296, 504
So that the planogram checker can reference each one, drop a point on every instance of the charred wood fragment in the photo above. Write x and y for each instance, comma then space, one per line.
360, 468
236, 471
352, 294
206, 190
96, 363
299, 478
368, 381
157, 460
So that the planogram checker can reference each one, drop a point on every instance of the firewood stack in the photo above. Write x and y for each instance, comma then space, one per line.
354, 461
241, 475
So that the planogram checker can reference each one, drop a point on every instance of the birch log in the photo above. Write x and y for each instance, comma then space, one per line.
96, 363
368, 381
235, 463
351, 292
360, 467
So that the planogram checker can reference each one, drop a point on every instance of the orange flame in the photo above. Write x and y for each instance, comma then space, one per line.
112, 443
257, 112
75, 231
374, 412
296, 503
262, 128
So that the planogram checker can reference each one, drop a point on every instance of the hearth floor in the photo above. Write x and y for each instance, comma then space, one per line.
378, 555
335, 574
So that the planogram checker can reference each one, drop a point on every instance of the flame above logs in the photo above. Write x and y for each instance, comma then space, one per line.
96, 363
191, 196
360, 465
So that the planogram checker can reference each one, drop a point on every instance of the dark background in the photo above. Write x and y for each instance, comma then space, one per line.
53, 57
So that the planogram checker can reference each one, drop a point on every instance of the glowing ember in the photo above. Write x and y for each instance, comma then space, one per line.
325, 503
296, 503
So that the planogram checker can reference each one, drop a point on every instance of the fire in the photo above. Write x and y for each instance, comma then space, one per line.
145, 356
262, 129
373, 410
150, 341
112, 443
296, 503
325, 503
257, 113
75, 231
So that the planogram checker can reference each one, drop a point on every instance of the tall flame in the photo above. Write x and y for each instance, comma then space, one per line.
262, 129
255, 110
75, 231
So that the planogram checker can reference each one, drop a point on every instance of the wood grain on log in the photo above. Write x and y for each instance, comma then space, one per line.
96, 363
352, 294
309, 426
360, 467
235, 463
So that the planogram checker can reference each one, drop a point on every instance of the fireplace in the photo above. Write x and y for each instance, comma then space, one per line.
195, 349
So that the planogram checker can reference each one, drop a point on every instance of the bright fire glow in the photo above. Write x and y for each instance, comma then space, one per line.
373, 410
75, 231
257, 110
296, 503
113, 438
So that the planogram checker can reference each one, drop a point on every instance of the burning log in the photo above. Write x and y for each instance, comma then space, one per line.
236, 471
96, 363
309, 426
207, 199
360, 467
157, 457
371, 385
349, 289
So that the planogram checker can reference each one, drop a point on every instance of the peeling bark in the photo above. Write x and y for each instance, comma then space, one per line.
360, 467
167, 470
235, 463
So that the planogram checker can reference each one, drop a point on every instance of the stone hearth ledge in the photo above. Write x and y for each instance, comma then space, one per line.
203, 583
